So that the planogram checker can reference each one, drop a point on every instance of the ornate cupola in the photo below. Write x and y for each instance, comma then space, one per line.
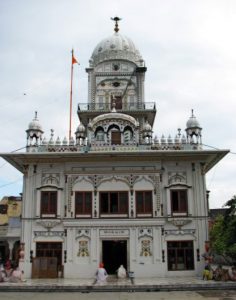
34, 134
194, 131
116, 73
116, 78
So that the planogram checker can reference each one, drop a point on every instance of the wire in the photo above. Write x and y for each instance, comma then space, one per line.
18, 149
12, 152
231, 152
9, 183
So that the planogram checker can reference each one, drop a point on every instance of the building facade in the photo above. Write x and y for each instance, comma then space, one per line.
10, 228
114, 193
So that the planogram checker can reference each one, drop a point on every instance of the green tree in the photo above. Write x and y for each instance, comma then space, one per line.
223, 232
217, 236
231, 210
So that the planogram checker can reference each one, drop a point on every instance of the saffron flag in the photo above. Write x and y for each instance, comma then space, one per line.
74, 60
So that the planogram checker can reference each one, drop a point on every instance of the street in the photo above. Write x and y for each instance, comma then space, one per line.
174, 295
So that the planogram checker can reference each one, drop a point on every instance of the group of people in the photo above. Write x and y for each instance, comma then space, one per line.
10, 272
219, 273
101, 274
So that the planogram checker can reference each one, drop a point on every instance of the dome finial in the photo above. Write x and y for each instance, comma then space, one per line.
116, 19
192, 113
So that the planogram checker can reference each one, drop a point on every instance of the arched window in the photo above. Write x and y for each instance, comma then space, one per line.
115, 135
99, 134
128, 135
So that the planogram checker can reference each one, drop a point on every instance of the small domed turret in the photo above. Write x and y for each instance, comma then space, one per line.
80, 134
147, 127
80, 128
193, 130
147, 132
192, 122
34, 124
34, 132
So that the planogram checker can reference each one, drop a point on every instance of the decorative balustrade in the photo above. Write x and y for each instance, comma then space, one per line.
163, 143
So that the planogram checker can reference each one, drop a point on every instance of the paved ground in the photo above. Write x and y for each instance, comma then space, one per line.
204, 295
115, 285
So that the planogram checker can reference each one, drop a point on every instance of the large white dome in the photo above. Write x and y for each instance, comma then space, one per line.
116, 46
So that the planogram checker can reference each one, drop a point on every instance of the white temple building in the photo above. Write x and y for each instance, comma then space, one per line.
114, 193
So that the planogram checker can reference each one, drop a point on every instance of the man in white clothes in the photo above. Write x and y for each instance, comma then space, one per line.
121, 272
101, 275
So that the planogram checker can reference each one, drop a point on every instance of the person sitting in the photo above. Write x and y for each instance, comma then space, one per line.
16, 275
3, 274
101, 274
121, 272
218, 273
207, 272
232, 274
8, 268
1, 277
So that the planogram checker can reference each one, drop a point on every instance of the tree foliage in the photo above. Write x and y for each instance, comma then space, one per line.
223, 232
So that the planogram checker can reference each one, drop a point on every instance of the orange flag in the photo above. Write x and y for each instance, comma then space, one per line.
74, 60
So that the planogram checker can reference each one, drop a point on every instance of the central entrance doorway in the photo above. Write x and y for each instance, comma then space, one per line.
114, 254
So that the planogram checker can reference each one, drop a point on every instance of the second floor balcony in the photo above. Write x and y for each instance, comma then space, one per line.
120, 106
88, 111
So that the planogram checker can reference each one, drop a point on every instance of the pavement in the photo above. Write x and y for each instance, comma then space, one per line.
117, 285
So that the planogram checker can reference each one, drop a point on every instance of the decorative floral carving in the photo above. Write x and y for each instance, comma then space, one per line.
145, 248
83, 249
175, 178
48, 224
145, 232
51, 179
180, 222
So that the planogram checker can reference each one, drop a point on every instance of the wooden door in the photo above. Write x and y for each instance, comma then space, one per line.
115, 138
44, 267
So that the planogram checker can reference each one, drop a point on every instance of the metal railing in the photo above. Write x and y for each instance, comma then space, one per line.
107, 106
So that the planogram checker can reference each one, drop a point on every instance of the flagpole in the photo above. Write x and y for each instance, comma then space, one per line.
71, 85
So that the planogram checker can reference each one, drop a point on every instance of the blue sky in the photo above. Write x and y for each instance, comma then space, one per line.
189, 48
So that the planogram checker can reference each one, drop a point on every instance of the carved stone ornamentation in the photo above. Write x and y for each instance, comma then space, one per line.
83, 233
145, 232
48, 224
146, 248
156, 183
51, 179
180, 222
68, 193
116, 178
83, 249
177, 178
